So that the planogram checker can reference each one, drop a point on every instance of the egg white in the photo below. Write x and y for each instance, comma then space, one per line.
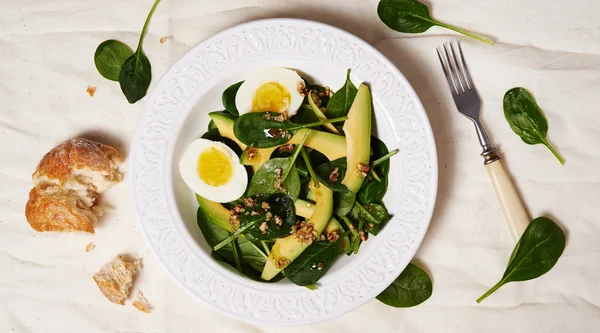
188, 168
285, 77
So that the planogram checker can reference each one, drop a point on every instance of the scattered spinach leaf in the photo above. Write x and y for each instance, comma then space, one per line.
526, 119
110, 56
228, 98
411, 16
263, 130
313, 263
136, 73
341, 101
411, 288
536, 252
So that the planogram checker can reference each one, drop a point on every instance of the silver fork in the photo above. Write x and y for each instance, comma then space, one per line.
468, 104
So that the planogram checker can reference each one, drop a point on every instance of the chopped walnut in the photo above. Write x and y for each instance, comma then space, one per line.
263, 227
286, 148
247, 213
249, 202
370, 226
268, 216
265, 205
362, 169
278, 220
363, 235
333, 236
280, 118
254, 213
278, 133
302, 88
305, 233
334, 175
278, 185
267, 116
320, 266
322, 237
281, 263
234, 219
237, 209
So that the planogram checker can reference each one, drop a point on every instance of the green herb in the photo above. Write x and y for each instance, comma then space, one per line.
411, 288
341, 101
526, 119
228, 98
136, 72
264, 129
277, 173
535, 254
314, 262
411, 16
110, 56
236, 257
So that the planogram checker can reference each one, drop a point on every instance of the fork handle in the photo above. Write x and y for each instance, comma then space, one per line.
512, 207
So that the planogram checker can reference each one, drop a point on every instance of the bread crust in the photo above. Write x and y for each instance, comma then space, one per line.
56, 212
116, 278
60, 163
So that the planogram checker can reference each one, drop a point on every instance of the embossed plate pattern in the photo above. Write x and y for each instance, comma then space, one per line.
412, 188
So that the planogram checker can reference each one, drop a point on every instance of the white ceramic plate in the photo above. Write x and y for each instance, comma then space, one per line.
175, 113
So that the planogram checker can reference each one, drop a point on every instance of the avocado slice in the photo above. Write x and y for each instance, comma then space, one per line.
217, 214
320, 114
289, 248
305, 209
331, 145
358, 139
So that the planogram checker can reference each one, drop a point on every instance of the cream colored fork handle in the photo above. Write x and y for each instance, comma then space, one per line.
513, 209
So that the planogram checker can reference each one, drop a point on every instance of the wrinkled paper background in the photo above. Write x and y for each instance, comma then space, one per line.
550, 47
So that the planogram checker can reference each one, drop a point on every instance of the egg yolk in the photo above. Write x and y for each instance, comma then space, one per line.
214, 167
271, 96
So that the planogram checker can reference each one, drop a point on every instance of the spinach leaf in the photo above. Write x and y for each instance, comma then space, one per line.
305, 115
250, 254
228, 98
332, 173
110, 56
411, 288
340, 102
411, 16
373, 190
212, 125
343, 202
247, 271
269, 129
278, 174
535, 254
313, 263
373, 216
526, 119
279, 216
213, 234
136, 73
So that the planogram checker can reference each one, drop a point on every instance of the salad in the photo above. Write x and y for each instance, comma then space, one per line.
288, 178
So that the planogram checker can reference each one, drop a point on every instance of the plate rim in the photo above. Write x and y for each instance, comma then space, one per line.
134, 150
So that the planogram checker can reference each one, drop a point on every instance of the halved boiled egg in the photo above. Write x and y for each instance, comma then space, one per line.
278, 90
213, 170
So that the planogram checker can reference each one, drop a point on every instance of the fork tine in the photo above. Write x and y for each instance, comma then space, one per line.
450, 83
465, 68
459, 71
452, 72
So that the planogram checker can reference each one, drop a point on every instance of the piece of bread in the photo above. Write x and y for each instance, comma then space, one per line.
116, 278
141, 303
67, 182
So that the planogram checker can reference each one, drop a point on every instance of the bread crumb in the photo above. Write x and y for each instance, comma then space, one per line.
91, 90
89, 247
141, 303
116, 278
164, 39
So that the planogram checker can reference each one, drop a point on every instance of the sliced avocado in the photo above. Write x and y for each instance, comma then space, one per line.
218, 214
256, 156
289, 248
334, 225
306, 209
358, 139
331, 145
320, 114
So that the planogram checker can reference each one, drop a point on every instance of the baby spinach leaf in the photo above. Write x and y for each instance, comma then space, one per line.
212, 125
411, 16
247, 271
213, 234
313, 263
373, 190
228, 98
136, 73
535, 254
332, 173
343, 202
268, 129
110, 56
340, 102
373, 216
280, 221
526, 119
411, 288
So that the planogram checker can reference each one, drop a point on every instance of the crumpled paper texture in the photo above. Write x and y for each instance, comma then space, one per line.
550, 47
